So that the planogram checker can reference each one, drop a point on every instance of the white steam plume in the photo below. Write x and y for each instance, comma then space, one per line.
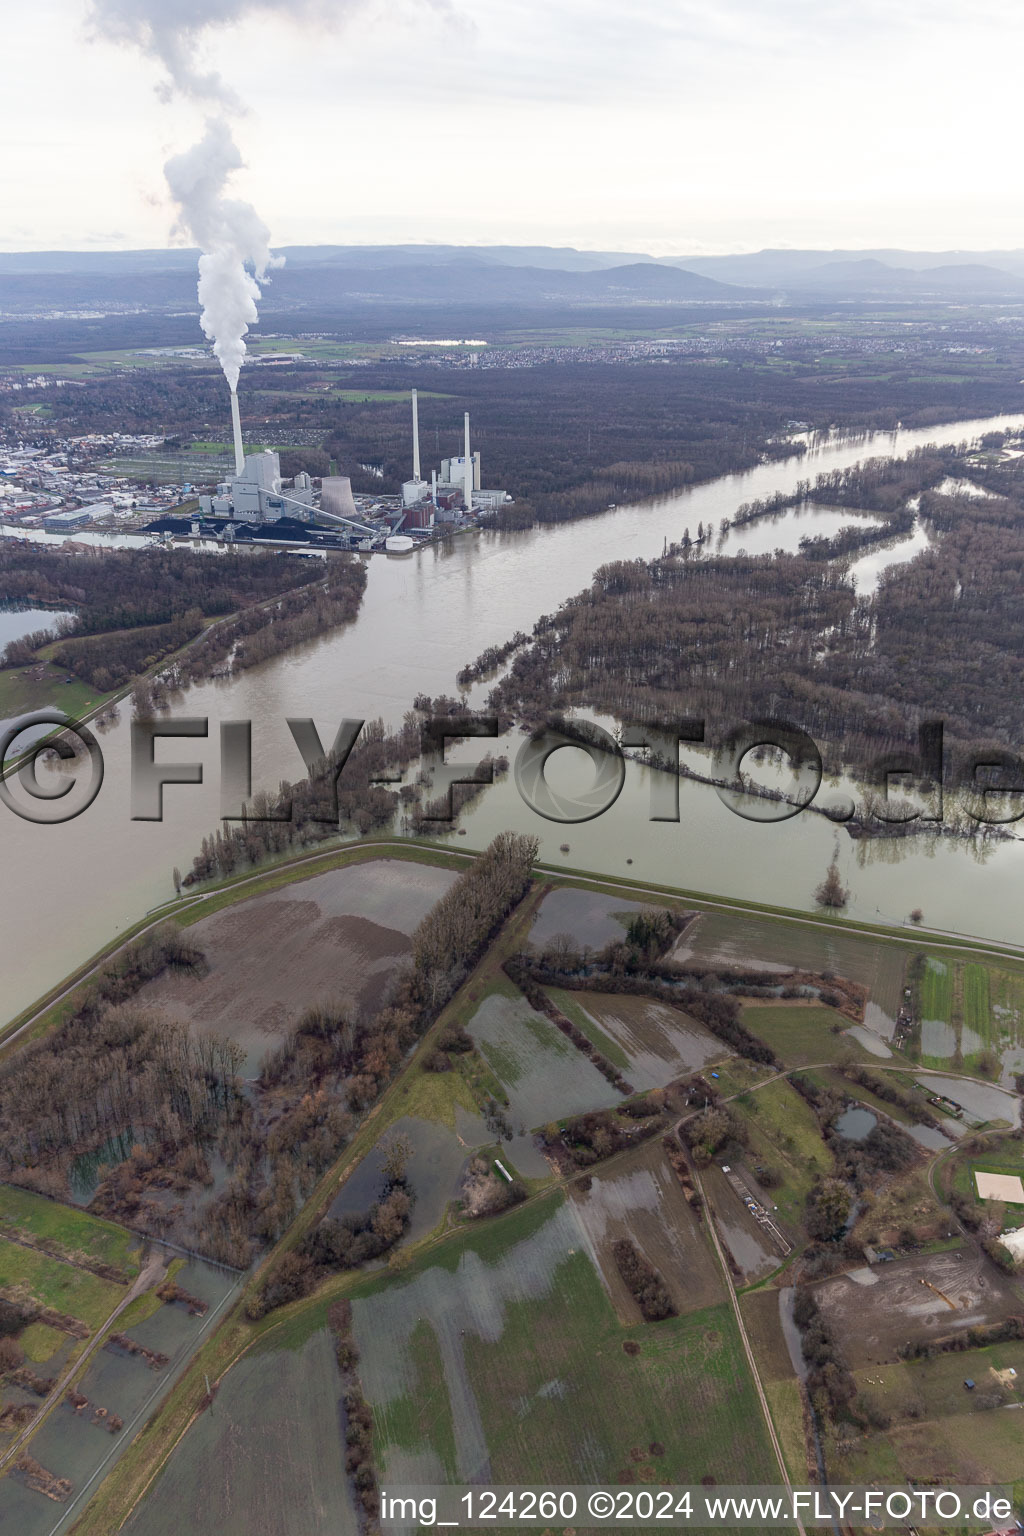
231, 236
172, 30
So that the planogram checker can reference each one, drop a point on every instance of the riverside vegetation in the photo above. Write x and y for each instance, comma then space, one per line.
133, 608
660, 640
161, 1104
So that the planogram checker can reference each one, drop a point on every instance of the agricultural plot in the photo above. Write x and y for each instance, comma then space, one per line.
650, 1041
269, 1460
874, 1312
802, 1034
337, 936
965, 1448
752, 1249
545, 1076
536, 1383
117, 1386
970, 1013
641, 1198
55, 1284
764, 943
64, 1231
585, 917
763, 1322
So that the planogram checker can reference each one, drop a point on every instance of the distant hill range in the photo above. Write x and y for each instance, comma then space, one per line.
336, 277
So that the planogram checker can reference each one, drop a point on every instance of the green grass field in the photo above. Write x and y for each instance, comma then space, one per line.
785, 1135
802, 1034
937, 990
515, 1314
42, 686
269, 1457
977, 1007
983, 1007
935, 1388
40, 1342
1002, 1157
57, 1285
75, 1231
422, 1417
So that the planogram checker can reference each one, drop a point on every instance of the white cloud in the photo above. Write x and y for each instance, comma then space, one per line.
666, 125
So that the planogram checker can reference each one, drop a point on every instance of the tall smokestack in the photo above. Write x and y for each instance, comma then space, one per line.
415, 438
433, 486
468, 481
236, 427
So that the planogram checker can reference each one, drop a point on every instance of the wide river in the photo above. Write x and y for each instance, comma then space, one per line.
69, 887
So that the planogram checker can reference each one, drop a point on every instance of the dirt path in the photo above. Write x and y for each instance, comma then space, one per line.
150, 1274
751, 1362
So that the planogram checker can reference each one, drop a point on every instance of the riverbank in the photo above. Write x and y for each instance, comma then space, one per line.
421, 619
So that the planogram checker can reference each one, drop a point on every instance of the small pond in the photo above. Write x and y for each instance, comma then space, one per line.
856, 1123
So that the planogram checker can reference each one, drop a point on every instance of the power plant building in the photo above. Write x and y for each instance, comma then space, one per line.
256, 495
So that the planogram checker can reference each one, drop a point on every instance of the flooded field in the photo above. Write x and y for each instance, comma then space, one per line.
75, 1446
659, 1043
982, 1101
513, 1325
763, 944
972, 1013
267, 1460
433, 1169
750, 1245
337, 936
641, 1199
587, 917
871, 1042
931, 1295
544, 1075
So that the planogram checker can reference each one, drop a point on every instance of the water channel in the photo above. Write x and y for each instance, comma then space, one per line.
71, 886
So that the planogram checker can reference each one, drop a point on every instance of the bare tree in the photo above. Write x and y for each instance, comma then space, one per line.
832, 892
397, 1153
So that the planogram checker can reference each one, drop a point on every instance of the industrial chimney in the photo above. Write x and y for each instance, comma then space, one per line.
468, 469
415, 438
236, 427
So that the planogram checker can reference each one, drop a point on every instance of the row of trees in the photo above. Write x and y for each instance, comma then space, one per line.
643, 1282
447, 942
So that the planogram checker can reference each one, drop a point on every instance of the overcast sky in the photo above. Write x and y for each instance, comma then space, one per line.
670, 126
